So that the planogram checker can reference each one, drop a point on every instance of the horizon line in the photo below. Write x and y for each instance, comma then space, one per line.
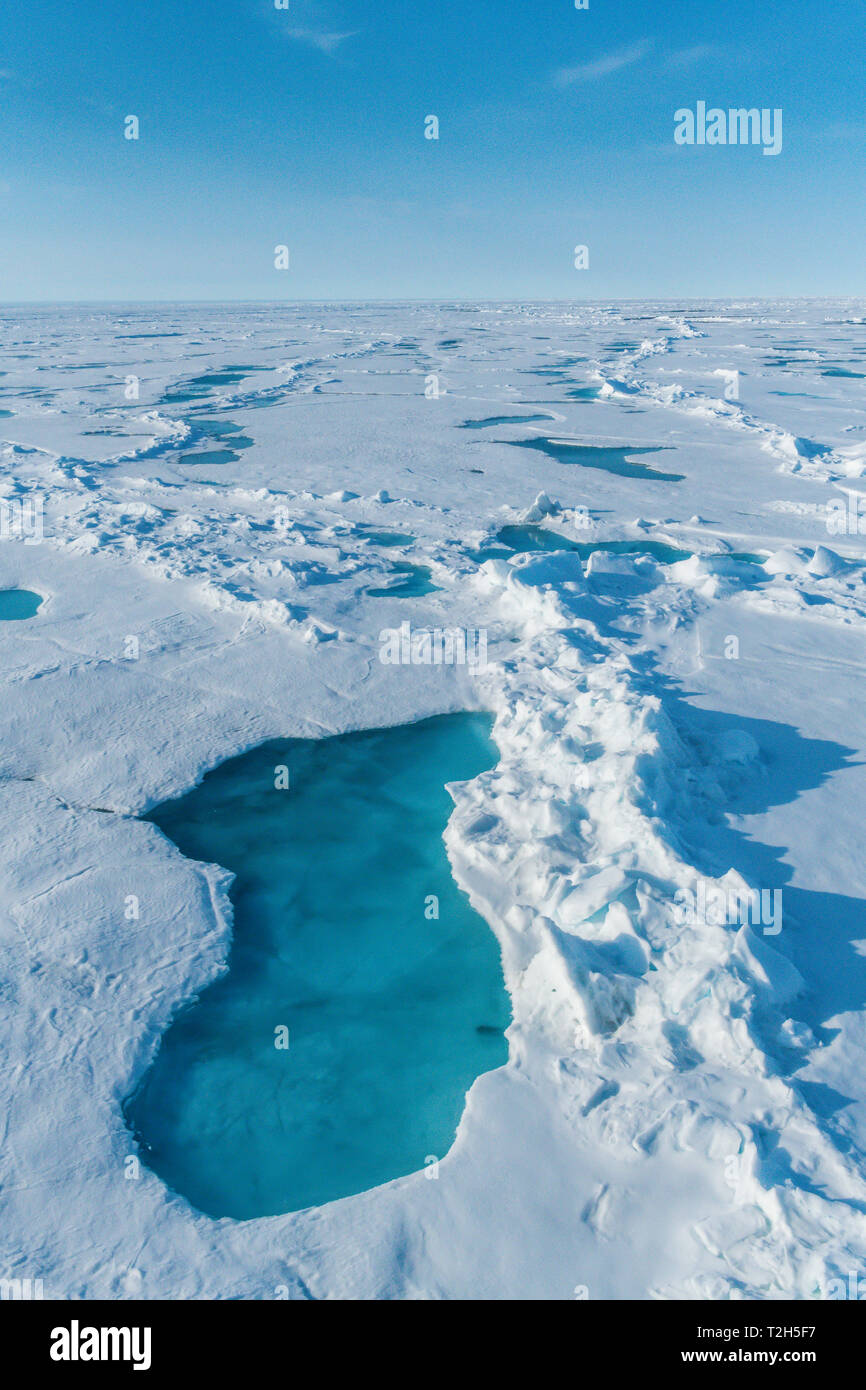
445, 299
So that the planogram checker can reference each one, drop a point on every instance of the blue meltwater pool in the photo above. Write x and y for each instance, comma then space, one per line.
363, 996
16, 604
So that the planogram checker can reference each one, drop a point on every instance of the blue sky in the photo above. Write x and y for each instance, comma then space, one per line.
305, 127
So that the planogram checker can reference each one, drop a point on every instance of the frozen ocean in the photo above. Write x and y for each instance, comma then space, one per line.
432, 749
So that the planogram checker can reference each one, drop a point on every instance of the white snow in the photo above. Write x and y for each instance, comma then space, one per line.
684, 1109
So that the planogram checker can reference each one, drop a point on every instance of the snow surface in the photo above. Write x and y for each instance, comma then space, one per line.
684, 1109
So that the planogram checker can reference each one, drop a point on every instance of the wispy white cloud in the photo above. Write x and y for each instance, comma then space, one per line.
606, 65
687, 57
323, 41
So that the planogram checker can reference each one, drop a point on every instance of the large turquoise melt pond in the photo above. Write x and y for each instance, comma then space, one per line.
391, 1010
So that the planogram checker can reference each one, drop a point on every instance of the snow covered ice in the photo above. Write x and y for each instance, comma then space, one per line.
220, 510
